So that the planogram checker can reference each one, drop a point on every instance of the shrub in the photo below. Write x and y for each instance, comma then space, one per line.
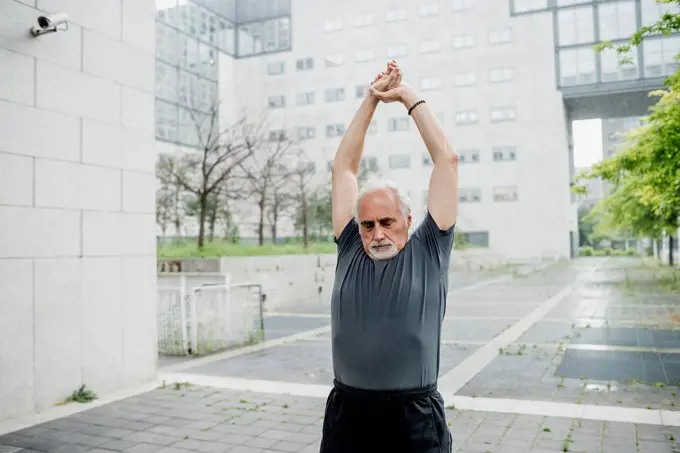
586, 251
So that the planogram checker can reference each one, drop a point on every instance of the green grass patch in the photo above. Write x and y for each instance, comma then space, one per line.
657, 279
217, 249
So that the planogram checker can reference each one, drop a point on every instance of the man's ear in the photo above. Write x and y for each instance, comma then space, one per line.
408, 221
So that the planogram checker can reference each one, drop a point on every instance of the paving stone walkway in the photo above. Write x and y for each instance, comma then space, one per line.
184, 419
580, 357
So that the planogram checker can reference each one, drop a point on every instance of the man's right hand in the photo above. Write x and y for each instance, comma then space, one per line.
389, 79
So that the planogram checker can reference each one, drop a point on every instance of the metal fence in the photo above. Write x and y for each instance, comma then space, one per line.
209, 318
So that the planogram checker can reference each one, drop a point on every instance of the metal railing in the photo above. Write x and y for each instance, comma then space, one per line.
209, 318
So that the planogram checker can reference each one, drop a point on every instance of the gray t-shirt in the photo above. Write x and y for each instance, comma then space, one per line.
386, 315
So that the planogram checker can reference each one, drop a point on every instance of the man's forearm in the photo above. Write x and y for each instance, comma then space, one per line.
430, 129
351, 147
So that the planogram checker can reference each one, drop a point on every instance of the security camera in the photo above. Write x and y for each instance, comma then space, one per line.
50, 23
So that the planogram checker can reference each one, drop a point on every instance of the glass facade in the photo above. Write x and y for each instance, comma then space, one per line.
191, 35
580, 24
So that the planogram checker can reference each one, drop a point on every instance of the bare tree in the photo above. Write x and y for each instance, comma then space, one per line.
302, 190
170, 197
281, 201
266, 174
163, 208
219, 153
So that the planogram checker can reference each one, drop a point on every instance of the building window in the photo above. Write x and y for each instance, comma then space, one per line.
361, 91
335, 130
167, 81
304, 64
398, 161
427, 159
276, 68
502, 114
659, 56
395, 15
577, 66
429, 46
431, 9
306, 98
364, 55
465, 79
468, 156
333, 25
500, 36
504, 153
475, 238
611, 69
613, 137
309, 166
397, 50
305, 133
463, 41
335, 94
372, 127
466, 117
167, 121
363, 20
430, 83
652, 11
617, 20
469, 195
276, 102
369, 163
501, 75
523, 6
334, 60
575, 26
505, 193
461, 5
398, 124
276, 135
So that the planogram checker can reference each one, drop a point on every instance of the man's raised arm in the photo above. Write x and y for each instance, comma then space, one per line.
442, 197
344, 185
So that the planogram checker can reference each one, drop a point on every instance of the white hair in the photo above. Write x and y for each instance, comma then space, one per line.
382, 184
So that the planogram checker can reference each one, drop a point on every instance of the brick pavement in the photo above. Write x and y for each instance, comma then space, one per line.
184, 419
612, 309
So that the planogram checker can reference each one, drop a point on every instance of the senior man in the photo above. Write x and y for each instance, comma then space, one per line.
389, 294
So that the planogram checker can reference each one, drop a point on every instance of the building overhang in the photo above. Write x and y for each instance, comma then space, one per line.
610, 100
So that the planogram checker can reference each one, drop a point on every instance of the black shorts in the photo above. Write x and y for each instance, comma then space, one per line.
369, 421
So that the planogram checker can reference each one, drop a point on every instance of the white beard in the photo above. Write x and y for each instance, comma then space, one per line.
386, 250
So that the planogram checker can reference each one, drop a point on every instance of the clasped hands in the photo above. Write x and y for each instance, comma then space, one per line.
387, 86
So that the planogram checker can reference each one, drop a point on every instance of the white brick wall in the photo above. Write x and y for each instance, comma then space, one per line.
77, 188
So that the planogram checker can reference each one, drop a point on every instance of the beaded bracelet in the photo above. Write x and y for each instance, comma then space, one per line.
422, 101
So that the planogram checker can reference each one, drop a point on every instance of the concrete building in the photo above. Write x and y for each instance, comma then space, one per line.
595, 190
77, 186
613, 133
471, 78
506, 80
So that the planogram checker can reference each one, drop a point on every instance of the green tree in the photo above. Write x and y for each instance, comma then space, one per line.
586, 225
645, 173
319, 215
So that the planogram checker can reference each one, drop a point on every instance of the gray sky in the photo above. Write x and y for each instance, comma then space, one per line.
587, 142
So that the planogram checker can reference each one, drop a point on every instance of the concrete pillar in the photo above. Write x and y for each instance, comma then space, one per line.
77, 195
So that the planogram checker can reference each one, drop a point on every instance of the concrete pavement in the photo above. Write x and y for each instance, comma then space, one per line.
579, 356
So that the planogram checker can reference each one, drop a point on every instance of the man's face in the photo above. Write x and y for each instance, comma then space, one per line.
384, 230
